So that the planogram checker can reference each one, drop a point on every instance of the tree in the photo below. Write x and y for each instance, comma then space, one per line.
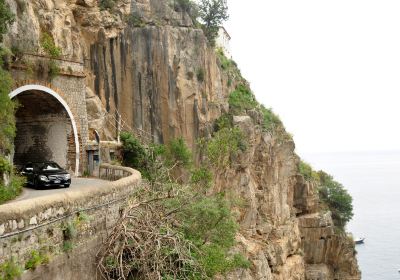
213, 13
337, 198
6, 18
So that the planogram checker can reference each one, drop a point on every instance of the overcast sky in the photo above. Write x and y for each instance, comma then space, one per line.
329, 69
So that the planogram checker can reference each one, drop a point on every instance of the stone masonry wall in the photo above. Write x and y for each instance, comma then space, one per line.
40, 224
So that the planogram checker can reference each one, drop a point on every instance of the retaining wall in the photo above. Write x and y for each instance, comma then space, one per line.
40, 224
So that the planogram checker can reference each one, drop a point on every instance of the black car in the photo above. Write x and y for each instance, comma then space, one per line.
46, 174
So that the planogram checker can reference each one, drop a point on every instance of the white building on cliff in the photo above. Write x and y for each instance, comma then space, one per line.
223, 41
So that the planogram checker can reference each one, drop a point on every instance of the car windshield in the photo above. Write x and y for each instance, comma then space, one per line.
49, 166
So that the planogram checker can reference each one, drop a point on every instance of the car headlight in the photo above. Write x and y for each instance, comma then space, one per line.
43, 178
67, 176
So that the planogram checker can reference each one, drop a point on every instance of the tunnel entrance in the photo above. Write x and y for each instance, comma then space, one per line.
46, 130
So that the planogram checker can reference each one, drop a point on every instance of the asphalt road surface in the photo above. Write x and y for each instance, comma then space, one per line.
75, 184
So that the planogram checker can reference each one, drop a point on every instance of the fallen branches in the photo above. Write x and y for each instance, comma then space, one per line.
145, 244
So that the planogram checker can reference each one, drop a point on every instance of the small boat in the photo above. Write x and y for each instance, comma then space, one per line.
359, 240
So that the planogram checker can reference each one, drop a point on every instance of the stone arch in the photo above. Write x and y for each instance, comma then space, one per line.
44, 89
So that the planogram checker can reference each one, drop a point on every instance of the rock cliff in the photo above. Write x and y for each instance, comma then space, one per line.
149, 68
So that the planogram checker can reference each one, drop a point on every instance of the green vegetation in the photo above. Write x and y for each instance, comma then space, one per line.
69, 231
53, 69
149, 159
241, 100
10, 270
209, 224
5, 166
225, 62
107, 4
7, 109
7, 118
135, 20
212, 13
6, 18
48, 45
177, 153
336, 197
200, 75
271, 122
13, 189
332, 194
201, 177
36, 259
225, 144
67, 246
188, 233
137, 156
308, 173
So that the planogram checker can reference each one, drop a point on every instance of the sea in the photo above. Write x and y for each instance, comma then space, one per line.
373, 180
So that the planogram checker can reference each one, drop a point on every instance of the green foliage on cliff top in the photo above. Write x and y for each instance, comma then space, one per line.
337, 198
6, 18
308, 173
242, 100
213, 13
271, 121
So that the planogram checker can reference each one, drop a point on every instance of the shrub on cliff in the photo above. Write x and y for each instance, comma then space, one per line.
270, 120
49, 46
225, 144
178, 153
337, 198
308, 173
241, 100
171, 229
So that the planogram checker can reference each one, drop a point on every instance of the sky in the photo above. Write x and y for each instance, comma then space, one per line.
329, 69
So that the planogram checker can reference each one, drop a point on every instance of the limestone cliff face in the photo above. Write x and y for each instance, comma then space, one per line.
151, 71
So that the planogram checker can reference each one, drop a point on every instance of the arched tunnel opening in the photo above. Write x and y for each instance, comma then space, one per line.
44, 130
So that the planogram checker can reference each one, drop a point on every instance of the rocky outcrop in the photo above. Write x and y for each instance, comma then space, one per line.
149, 70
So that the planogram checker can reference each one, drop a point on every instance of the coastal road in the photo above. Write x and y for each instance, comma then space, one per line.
75, 184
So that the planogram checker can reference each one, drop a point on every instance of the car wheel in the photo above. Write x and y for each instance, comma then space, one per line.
66, 186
